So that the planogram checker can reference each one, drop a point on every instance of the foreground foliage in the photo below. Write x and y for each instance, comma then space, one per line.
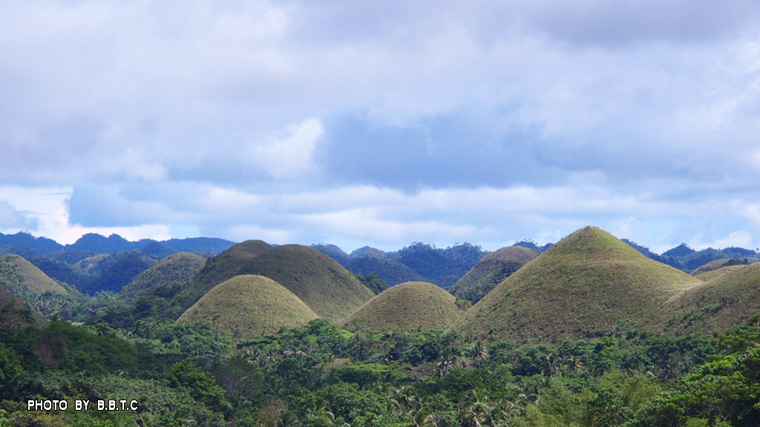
324, 375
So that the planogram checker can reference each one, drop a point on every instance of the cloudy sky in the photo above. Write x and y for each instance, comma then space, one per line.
382, 123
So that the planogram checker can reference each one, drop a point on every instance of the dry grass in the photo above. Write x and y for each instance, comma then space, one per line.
405, 307
248, 306
588, 284
490, 271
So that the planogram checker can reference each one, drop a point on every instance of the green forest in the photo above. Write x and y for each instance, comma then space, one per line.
322, 374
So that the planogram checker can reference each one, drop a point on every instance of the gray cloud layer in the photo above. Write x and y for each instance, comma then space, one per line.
225, 116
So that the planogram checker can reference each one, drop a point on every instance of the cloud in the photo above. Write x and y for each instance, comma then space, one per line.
290, 155
11, 219
401, 121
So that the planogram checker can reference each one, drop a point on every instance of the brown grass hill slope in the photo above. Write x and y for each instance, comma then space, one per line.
15, 313
21, 277
224, 266
586, 285
318, 280
164, 278
491, 270
405, 307
248, 306
730, 298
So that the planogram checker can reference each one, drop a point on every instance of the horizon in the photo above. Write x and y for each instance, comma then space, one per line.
349, 251
357, 124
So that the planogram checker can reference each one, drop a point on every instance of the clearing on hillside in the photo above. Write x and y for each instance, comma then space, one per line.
248, 306
405, 307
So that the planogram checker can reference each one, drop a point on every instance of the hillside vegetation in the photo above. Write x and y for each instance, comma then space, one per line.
491, 270
586, 285
405, 307
167, 276
16, 313
248, 306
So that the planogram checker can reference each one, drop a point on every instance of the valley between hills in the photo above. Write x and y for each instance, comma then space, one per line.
592, 330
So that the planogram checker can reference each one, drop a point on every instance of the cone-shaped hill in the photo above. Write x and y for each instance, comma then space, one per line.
585, 285
491, 270
405, 307
248, 306
730, 298
24, 280
15, 313
224, 266
164, 278
318, 280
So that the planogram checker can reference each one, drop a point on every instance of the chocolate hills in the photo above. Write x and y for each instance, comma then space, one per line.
405, 307
729, 298
226, 265
491, 270
248, 306
22, 278
318, 280
167, 277
586, 285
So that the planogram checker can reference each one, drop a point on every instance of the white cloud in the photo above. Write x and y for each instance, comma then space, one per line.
289, 155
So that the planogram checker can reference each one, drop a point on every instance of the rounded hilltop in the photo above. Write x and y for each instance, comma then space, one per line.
586, 285
318, 280
405, 307
247, 306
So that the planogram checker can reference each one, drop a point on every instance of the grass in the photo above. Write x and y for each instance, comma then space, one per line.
318, 280
220, 268
175, 270
730, 298
405, 307
248, 306
490, 271
21, 277
586, 285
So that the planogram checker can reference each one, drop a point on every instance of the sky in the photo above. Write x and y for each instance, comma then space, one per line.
382, 123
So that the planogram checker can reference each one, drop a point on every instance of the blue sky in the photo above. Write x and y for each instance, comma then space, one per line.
382, 123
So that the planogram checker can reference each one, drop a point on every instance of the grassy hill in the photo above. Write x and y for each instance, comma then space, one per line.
22, 278
248, 306
406, 307
15, 313
226, 265
730, 298
318, 280
167, 276
587, 284
491, 270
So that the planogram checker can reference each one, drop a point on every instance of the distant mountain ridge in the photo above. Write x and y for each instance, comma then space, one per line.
416, 262
99, 244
